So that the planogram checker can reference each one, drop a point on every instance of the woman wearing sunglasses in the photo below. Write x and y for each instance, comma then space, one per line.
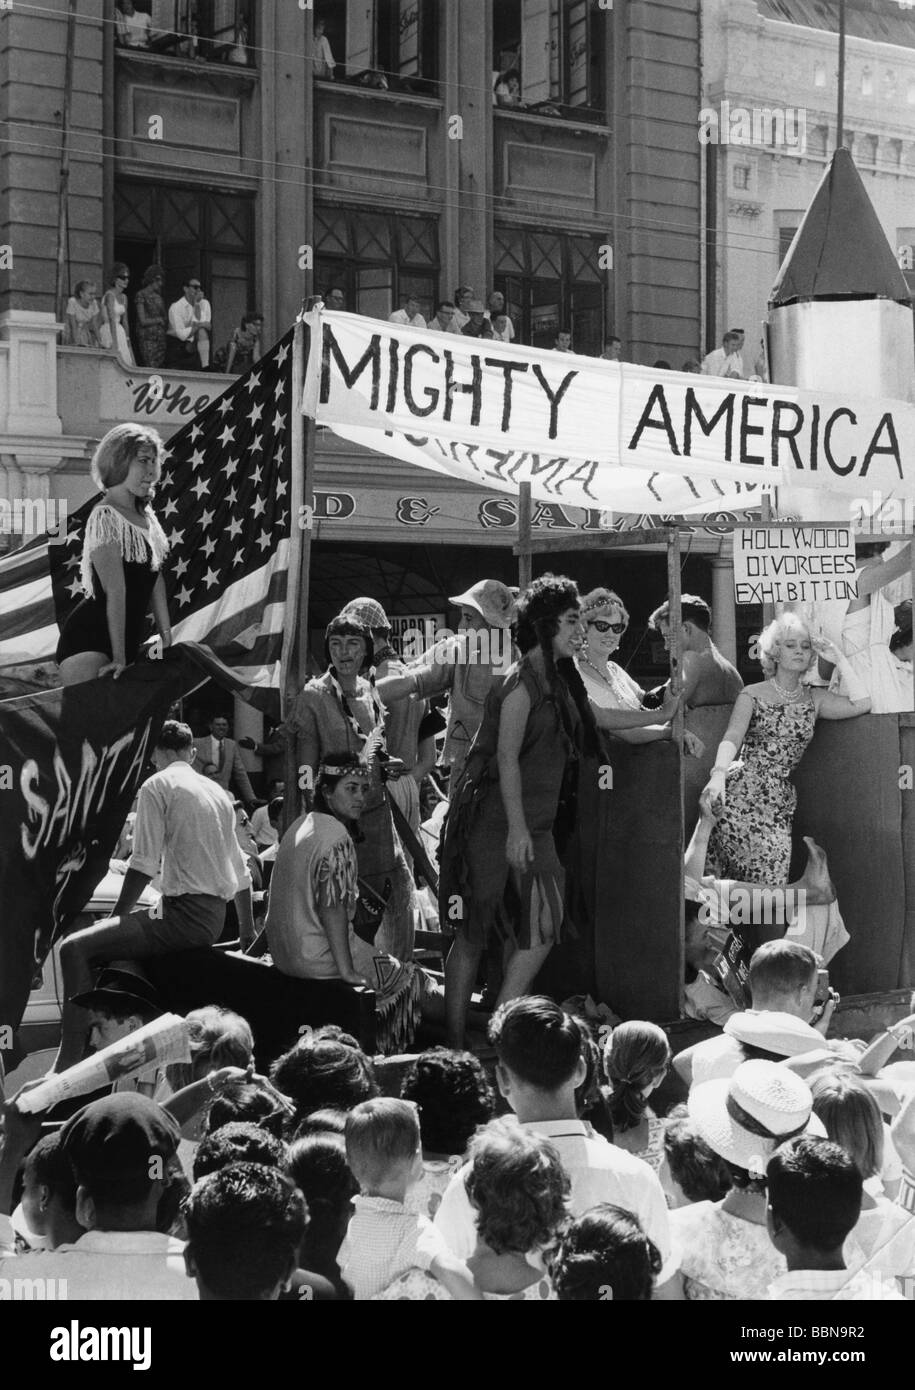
608, 685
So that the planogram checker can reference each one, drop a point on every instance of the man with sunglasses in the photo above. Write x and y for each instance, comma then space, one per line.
708, 676
190, 323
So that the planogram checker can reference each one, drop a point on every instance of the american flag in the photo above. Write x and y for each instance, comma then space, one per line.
224, 504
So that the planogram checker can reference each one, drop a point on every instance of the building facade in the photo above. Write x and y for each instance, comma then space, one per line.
546, 148
770, 76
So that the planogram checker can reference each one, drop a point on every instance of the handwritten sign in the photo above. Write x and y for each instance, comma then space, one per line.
794, 564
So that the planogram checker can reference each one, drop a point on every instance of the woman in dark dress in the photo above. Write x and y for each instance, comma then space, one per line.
123, 551
514, 804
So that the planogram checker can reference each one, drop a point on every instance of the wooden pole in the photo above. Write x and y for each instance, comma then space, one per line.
302, 448
840, 113
525, 561
912, 573
675, 621
61, 288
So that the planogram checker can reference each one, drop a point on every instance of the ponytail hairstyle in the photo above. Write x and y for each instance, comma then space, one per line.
540, 607
635, 1056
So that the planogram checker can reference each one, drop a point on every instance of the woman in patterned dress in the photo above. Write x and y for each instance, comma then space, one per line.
152, 318
771, 726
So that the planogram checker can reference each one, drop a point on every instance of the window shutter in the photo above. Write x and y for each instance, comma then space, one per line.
360, 49
535, 50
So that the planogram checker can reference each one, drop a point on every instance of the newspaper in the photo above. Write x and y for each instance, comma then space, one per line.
156, 1044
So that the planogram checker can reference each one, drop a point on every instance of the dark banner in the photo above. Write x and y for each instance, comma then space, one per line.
71, 762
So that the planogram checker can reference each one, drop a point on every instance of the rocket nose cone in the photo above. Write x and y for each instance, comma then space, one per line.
840, 250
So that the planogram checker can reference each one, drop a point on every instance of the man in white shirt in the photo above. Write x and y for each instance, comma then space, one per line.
185, 830
462, 297
190, 325
814, 1192
783, 985
539, 1047
123, 1152
445, 318
133, 26
726, 360
409, 314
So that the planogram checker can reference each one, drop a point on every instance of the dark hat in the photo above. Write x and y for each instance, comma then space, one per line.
115, 1137
121, 990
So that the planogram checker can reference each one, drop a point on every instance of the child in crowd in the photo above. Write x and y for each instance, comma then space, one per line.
453, 1097
46, 1216
690, 1171
518, 1187
318, 1167
385, 1239
605, 1255
814, 1204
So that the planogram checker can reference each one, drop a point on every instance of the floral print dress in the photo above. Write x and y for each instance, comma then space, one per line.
752, 840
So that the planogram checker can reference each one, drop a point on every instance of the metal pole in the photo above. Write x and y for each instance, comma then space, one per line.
525, 559
64, 182
840, 119
302, 446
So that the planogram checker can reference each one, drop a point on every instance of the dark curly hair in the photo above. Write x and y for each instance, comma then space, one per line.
605, 1255
635, 1055
245, 1102
324, 1072
518, 1186
540, 607
453, 1095
237, 1142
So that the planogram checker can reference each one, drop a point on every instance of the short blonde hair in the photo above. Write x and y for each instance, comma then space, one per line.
770, 640
117, 451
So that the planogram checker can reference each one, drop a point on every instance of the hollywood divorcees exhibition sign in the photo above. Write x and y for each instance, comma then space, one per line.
590, 432
794, 564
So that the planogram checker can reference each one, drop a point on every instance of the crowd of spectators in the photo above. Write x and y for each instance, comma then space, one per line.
312, 1184
177, 335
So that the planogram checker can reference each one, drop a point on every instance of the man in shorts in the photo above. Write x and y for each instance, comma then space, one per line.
185, 830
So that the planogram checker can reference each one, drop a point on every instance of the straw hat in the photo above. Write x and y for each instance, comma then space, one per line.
773, 1031
745, 1119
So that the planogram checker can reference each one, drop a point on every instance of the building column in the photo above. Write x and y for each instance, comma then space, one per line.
31, 408
724, 608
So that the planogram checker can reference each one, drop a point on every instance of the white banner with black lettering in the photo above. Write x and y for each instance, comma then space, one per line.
592, 433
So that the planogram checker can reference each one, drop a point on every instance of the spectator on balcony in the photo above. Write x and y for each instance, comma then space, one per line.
691, 364
478, 325
113, 332
190, 323
726, 360
563, 341
83, 317
323, 57
334, 298
503, 330
152, 318
444, 321
462, 297
133, 25
245, 344
507, 88
409, 314
613, 350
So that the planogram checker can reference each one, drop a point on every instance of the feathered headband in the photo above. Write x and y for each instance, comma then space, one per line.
360, 764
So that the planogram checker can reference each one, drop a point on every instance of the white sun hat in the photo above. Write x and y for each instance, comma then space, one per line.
746, 1117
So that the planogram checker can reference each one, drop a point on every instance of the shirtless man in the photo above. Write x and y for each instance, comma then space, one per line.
708, 677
